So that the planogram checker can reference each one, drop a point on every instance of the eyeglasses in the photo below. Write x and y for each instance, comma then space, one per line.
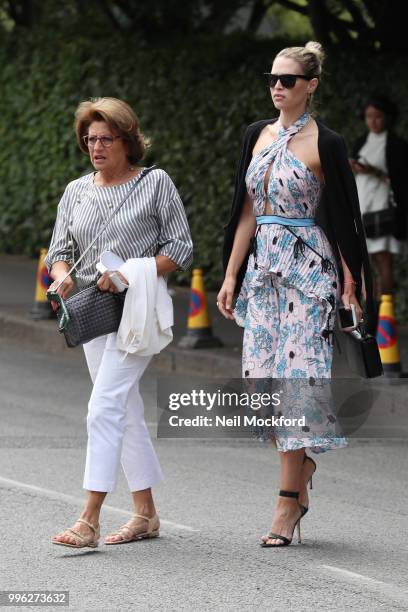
106, 141
288, 81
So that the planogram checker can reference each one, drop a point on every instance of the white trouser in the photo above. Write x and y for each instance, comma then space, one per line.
117, 430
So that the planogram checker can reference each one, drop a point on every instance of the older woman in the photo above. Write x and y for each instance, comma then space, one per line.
151, 223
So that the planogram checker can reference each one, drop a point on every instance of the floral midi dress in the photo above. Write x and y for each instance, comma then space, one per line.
289, 295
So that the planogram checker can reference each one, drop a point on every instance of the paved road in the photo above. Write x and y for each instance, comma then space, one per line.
214, 504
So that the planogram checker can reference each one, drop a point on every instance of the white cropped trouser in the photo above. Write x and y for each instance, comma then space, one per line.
117, 432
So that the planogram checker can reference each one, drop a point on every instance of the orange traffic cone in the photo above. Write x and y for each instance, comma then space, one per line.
199, 332
387, 338
42, 307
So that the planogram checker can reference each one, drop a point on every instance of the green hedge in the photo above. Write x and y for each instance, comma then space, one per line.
193, 100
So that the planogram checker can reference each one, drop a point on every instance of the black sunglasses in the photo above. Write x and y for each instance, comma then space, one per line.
288, 81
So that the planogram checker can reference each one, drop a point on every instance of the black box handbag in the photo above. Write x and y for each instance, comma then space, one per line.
382, 222
91, 313
362, 353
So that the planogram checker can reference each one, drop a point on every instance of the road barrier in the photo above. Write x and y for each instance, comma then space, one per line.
42, 308
199, 331
387, 337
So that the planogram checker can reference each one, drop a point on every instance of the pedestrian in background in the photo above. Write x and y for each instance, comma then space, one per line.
296, 202
150, 224
380, 162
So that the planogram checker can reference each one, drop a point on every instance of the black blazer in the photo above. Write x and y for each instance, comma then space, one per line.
396, 158
338, 212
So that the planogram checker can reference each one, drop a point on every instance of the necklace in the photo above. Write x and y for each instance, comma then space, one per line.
117, 180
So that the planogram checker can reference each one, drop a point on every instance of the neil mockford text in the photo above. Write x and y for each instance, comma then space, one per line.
235, 421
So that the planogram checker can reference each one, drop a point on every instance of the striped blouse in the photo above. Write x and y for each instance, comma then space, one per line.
151, 222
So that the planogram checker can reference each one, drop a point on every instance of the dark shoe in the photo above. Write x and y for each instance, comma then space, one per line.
284, 540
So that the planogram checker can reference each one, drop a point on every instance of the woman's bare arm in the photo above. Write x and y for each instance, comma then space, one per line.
244, 233
349, 289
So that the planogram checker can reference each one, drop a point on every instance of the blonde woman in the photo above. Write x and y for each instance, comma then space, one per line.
296, 203
151, 223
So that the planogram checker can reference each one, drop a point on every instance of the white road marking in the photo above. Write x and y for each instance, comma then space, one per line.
378, 586
71, 499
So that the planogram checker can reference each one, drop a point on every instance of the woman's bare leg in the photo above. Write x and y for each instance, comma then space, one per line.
383, 263
287, 509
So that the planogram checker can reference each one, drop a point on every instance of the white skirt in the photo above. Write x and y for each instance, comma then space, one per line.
385, 243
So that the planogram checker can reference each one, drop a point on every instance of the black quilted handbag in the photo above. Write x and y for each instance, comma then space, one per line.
91, 312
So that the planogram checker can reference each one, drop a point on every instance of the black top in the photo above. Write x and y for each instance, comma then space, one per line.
396, 159
338, 213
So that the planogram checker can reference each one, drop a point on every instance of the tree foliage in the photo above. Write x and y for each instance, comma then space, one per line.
346, 23
194, 95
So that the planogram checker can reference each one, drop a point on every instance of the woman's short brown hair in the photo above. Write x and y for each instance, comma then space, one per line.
119, 116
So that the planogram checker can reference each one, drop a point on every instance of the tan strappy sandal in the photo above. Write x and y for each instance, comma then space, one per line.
81, 541
130, 533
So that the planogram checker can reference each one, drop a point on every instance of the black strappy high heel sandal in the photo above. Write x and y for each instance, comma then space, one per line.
310, 481
284, 540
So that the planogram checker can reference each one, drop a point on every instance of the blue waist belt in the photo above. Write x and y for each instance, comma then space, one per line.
292, 221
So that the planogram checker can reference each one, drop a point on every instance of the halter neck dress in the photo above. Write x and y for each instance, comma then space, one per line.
290, 291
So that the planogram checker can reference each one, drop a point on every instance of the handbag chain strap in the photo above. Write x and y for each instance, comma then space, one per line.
131, 190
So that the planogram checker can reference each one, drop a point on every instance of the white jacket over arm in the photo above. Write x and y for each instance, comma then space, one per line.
147, 319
